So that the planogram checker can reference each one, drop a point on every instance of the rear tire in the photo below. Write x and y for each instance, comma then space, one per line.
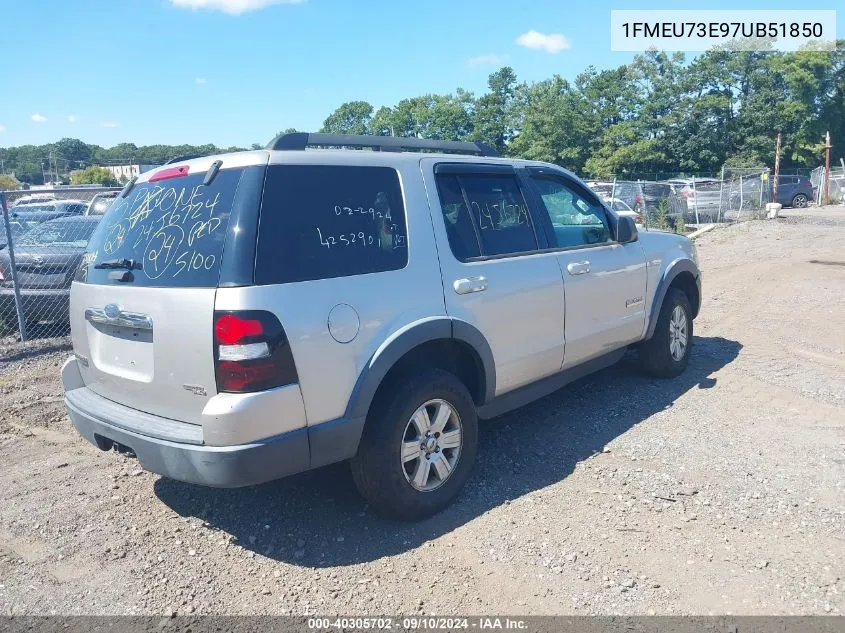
401, 469
666, 353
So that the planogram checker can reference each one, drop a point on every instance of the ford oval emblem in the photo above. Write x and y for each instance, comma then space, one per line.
112, 310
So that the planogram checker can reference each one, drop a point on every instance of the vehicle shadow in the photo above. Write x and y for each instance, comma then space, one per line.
317, 519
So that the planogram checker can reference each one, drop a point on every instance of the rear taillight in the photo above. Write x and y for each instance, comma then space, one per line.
251, 352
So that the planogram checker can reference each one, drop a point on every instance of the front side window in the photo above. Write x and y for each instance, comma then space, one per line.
321, 222
576, 219
497, 221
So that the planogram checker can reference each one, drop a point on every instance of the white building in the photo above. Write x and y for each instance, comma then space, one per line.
128, 171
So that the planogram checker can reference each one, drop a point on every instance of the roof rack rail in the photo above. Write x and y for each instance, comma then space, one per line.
301, 140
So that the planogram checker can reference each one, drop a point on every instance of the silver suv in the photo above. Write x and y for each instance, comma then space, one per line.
243, 317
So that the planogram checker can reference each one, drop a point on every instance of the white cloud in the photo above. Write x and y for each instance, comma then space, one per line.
232, 7
71, 118
2, 128
490, 59
108, 124
38, 118
200, 81
551, 43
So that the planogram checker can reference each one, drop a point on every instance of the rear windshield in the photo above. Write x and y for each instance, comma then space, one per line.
169, 233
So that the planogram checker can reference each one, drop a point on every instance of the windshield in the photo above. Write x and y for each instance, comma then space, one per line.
20, 226
75, 234
32, 208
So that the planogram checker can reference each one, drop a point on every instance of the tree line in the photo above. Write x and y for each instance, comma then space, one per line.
659, 114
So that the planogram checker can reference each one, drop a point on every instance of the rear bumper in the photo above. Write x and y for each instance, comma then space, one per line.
221, 467
103, 423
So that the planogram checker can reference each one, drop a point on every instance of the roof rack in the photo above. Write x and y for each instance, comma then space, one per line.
301, 140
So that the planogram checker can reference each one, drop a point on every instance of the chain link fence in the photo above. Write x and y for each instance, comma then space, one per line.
43, 235
683, 203
837, 185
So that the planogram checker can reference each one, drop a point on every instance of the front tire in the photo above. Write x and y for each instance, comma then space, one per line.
418, 446
666, 353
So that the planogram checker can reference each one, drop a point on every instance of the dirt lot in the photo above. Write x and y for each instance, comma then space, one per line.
722, 491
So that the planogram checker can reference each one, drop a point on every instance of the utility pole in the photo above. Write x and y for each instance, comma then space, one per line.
777, 170
827, 168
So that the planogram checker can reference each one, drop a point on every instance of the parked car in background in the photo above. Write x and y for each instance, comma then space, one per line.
101, 202
643, 197
66, 207
22, 221
38, 198
46, 260
702, 197
621, 208
793, 191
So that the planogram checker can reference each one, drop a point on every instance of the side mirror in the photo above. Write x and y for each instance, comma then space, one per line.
626, 230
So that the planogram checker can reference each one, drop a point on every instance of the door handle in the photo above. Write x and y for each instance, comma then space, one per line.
578, 268
470, 284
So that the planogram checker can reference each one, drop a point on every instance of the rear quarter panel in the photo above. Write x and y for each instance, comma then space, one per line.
386, 302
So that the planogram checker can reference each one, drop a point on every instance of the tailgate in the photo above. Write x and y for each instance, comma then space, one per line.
142, 306
155, 354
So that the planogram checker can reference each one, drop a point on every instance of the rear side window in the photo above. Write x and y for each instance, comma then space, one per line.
320, 222
168, 233
460, 229
497, 221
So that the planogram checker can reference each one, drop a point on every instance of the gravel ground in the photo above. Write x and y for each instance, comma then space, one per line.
720, 492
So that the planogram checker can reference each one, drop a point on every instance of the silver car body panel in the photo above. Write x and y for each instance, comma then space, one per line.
536, 318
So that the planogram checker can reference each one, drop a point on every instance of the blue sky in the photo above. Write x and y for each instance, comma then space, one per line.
234, 72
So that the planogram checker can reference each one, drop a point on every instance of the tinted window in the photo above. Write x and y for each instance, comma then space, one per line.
577, 219
172, 231
497, 211
319, 222
500, 213
59, 233
463, 239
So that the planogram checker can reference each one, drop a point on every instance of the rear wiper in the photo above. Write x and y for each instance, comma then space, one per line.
127, 264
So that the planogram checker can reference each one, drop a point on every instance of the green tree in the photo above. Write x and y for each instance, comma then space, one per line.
556, 124
353, 117
73, 151
443, 117
93, 176
8, 183
493, 117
